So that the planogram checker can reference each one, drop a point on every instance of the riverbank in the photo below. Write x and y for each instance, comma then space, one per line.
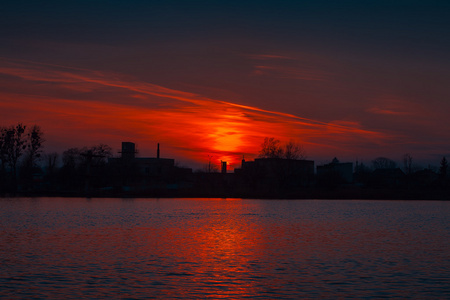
304, 193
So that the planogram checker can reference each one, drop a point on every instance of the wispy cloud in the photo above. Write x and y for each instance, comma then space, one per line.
269, 56
289, 72
381, 111
394, 106
287, 67
118, 108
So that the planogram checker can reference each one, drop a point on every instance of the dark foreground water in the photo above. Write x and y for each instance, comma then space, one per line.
223, 248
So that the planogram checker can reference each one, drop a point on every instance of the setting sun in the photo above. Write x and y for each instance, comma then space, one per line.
187, 125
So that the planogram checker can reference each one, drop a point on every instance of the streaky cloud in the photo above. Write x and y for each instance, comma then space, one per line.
202, 125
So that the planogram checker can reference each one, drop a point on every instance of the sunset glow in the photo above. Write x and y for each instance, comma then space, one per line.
187, 125
210, 82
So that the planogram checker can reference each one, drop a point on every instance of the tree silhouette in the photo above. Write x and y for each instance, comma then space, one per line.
443, 168
83, 167
293, 150
12, 146
383, 163
29, 168
34, 145
75, 158
50, 161
407, 163
271, 148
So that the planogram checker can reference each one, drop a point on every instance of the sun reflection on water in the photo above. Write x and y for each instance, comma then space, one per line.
222, 248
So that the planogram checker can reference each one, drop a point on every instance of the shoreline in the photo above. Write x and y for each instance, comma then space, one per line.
338, 194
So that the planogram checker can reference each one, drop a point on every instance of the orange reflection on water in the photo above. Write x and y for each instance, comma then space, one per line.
222, 248
205, 250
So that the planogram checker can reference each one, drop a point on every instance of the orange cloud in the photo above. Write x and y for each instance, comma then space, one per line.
269, 56
303, 67
289, 72
381, 111
391, 105
114, 109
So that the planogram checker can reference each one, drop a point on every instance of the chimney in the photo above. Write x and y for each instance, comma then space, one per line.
157, 152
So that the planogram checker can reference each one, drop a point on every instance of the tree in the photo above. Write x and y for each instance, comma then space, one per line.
34, 145
407, 163
12, 147
87, 165
210, 167
383, 163
293, 150
71, 158
50, 161
443, 168
3, 152
271, 148
96, 155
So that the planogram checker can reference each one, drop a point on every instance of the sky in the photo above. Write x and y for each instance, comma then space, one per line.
209, 80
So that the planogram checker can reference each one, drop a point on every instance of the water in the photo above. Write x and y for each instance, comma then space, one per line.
60, 248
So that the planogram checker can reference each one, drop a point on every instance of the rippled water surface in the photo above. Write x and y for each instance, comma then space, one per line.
59, 248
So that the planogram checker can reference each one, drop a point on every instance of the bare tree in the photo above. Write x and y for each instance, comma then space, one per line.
71, 158
407, 163
271, 148
3, 148
50, 161
99, 154
34, 145
95, 155
12, 146
383, 163
293, 150
443, 168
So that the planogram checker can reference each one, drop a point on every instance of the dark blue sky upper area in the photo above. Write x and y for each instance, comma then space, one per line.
318, 23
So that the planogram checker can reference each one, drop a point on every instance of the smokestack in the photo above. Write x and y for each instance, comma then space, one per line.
157, 152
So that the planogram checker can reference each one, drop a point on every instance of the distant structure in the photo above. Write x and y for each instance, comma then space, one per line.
276, 172
128, 150
389, 177
152, 170
149, 166
342, 171
224, 167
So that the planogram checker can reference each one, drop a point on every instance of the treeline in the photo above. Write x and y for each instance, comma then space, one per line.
27, 170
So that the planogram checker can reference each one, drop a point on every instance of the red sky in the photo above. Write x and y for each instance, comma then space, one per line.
187, 125
354, 82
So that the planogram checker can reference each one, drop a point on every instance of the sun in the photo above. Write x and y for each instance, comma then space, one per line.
225, 139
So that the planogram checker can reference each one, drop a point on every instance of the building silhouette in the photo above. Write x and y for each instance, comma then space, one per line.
337, 171
149, 172
275, 173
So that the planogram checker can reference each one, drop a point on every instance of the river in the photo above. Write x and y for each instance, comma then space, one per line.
73, 248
